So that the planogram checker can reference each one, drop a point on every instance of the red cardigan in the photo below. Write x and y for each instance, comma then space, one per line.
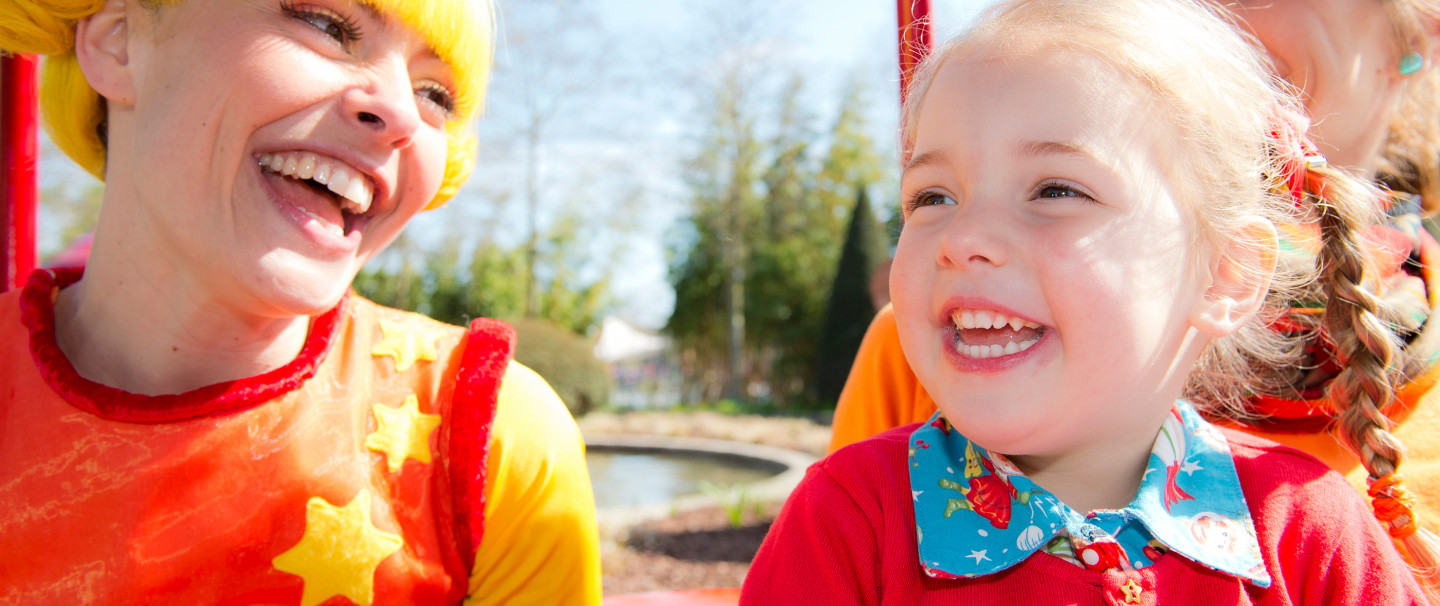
847, 536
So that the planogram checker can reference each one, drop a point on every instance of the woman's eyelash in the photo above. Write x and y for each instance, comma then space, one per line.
438, 95
342, 28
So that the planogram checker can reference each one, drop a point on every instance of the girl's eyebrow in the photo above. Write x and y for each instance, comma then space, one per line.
930, 158
1033, 149
1029, 149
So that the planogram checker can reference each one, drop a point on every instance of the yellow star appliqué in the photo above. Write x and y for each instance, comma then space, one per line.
405, 345
1132, 591
402, 433
340, 551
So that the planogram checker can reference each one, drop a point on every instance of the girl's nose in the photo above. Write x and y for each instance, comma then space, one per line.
972, 237
385, 106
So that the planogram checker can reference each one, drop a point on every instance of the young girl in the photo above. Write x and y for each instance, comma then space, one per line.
1367, 67
207, 415
1093, 194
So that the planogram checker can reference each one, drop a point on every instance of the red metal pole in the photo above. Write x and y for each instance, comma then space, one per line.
18, 158
914, 23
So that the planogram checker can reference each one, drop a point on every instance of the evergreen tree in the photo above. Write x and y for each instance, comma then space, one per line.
850, 309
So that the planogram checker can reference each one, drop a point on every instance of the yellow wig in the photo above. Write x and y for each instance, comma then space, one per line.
459, 31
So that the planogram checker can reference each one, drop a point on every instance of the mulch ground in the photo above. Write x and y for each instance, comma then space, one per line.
691, 550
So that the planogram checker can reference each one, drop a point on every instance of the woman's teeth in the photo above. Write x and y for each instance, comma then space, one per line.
354, 189
986, 319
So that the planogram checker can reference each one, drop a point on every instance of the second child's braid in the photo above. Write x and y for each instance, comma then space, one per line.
1362, 329
1367, 346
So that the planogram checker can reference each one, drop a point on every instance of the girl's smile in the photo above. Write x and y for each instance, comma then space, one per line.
986, 338
985, 333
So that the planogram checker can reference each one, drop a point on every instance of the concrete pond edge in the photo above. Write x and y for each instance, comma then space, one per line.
773, 489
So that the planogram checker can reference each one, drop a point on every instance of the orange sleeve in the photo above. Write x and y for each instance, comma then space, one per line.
881, 391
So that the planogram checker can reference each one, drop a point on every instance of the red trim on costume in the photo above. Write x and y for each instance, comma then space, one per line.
37, 312
489, 347
1288, 416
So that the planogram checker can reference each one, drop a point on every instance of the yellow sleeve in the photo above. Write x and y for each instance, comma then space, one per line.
540, 544
881, 391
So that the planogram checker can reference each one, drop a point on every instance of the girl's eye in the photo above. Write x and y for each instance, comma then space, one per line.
1053, 190
927, 198
340, 28
438, 96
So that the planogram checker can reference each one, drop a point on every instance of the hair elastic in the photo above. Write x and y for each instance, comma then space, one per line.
1410, 63
1394, 505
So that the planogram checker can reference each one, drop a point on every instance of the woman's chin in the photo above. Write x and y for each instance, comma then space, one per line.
303, 287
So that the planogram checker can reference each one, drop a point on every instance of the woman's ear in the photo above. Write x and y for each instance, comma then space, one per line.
1429, 43
1239, 281
102, 47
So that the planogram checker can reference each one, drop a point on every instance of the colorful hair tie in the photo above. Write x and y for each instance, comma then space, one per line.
1394, 505
1298, 155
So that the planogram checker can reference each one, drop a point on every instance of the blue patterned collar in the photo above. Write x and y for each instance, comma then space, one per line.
981, 515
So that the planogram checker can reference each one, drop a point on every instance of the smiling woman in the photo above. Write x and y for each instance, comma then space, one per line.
208, 415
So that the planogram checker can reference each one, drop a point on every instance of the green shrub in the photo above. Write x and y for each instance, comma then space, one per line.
566, 360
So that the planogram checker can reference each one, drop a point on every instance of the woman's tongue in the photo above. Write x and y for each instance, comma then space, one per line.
998, 336
319, 205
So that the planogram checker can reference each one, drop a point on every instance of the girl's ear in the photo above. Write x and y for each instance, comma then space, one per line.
102, 48
1239, 281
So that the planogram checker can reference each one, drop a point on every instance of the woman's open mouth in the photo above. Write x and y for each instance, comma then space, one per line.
346, 188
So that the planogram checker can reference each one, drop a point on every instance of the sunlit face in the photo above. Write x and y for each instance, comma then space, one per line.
242, 107
1341, 53
1046, 272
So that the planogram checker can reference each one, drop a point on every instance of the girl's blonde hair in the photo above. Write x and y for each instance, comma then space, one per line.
459, 31
1240, 157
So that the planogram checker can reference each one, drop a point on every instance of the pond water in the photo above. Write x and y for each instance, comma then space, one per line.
626, 477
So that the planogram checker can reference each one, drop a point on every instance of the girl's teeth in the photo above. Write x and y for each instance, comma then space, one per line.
322, 173
290, 166
967, 318
994, 351
277, 162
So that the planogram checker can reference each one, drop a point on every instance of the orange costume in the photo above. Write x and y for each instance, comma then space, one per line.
395, 460
882, 392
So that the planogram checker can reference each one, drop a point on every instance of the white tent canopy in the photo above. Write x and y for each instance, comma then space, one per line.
619, 341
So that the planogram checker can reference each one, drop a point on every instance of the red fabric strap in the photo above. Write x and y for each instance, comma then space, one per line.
489, 347
37, 312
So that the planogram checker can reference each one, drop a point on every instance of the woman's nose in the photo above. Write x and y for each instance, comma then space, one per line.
385, 105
